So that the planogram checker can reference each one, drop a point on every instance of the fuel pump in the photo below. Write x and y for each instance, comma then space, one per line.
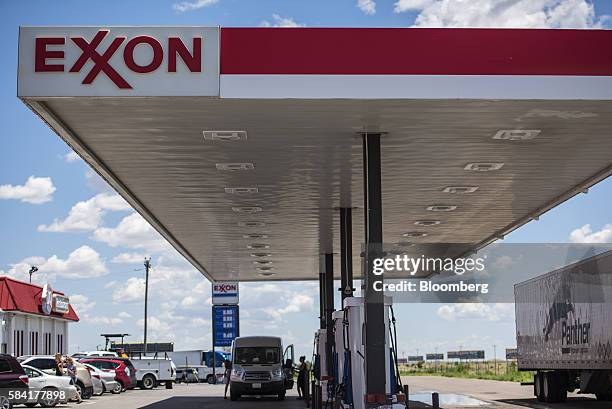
349, 349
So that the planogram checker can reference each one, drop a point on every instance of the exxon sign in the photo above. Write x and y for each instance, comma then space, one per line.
225, 292
118, 61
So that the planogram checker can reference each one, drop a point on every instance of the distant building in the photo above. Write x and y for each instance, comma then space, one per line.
34, 319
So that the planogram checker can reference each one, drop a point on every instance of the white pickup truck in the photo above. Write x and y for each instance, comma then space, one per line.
151, 371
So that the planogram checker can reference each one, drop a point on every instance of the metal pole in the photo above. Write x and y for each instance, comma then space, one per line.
495, 357
375, 351
346, 253
147, 264
322, 298
329, 309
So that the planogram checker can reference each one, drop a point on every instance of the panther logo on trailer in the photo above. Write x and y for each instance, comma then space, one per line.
46, 50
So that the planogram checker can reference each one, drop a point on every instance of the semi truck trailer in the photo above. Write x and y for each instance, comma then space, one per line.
564, 329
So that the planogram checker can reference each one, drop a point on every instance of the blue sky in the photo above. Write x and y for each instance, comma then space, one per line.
103, 274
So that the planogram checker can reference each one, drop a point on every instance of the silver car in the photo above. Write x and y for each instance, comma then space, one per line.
48, 390
106, 380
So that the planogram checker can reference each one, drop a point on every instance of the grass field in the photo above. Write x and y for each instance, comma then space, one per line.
499, 371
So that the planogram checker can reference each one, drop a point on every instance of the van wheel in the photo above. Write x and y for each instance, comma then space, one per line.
47, 399
210, 379
234, 396
281, 396
148, 382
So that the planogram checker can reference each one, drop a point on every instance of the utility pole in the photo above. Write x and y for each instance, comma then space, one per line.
495, 357
32, 271
147, 264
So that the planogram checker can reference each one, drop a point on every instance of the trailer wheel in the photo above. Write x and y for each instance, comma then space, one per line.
537, 386
553, 387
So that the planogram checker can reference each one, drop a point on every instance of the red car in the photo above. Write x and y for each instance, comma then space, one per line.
125, 373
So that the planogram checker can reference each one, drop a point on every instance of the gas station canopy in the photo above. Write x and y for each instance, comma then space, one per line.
240, 144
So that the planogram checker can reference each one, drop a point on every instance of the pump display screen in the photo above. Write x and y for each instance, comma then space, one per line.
257, 355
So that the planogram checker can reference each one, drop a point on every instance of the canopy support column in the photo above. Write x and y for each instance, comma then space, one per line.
346, 253
375, 352
329, 309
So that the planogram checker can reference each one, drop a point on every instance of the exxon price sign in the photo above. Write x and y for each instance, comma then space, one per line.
225, 293
225, 324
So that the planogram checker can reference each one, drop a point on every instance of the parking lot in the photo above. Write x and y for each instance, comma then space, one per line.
503, 395
455, 393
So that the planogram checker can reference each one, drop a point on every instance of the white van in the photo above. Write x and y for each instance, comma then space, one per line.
259, 369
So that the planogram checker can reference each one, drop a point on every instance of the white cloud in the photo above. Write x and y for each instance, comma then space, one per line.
83, 262
488, 312
129, 258
35, 191
279, 21
130, 291
71, 156
81, 303
132, 232
585, 234
102, 320
124, 314
192, 5
502, 13
87, 215
367, 6
83, 307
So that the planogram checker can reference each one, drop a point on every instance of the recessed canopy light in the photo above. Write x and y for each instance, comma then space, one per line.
404, 244
225, 136
460, 189
251, 224
235, 166
262, 262
241, 190
414, 234
259, 255
427, 222
265, 268
247, 209
516, 134
254, 236
266, 274
483, 166
257, 246
441, 208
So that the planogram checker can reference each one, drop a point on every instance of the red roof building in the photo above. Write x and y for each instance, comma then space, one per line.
34, 318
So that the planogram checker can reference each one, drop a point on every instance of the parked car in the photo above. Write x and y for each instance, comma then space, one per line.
48, 390
187, 375
13, 378
46, 363
107, 379
125, 373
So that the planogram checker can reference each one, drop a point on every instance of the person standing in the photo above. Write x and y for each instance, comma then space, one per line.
72, 372
228, 373
302, 378
59, 365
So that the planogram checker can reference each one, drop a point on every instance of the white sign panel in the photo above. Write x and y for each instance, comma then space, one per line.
224, 292
118, 61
